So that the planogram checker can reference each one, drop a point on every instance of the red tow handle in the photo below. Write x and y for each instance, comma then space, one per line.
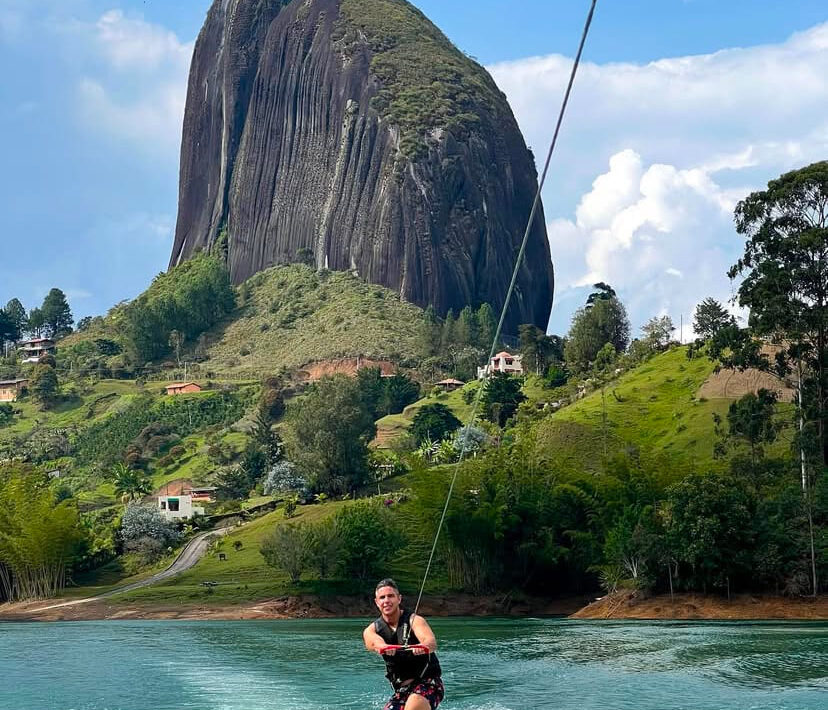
386, 649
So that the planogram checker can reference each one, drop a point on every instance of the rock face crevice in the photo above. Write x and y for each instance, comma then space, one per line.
284, 150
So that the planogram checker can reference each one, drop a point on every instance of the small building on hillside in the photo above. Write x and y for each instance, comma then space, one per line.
178, 507
450, 384
10, 390
502, 362
32, 350
182, 388
202, 495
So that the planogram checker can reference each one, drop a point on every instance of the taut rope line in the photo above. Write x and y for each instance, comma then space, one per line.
518, 261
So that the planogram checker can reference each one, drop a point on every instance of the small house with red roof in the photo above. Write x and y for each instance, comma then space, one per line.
182, 388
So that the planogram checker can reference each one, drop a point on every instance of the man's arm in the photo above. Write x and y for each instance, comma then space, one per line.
373, 641
423, 631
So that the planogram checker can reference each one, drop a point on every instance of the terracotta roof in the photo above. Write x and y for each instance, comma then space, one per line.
503, 354
177, 385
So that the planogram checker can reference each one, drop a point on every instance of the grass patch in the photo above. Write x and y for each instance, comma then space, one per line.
292, 316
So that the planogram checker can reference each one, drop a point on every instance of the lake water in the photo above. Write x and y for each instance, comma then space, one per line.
488, 665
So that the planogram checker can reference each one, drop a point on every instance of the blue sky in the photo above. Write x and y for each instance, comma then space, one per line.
683, 107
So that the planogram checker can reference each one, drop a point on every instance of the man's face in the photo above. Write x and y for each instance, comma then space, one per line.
388, 600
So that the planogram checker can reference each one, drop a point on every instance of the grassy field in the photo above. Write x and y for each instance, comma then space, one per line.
100, 398
291, 315
654, 409
393, 425
244, 575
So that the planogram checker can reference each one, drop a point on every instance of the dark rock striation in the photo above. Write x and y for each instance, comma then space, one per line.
353, 131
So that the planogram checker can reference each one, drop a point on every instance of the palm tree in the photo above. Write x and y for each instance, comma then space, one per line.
129, 482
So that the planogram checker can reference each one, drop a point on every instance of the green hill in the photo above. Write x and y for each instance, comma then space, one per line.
291, 315
285, 317
654, 409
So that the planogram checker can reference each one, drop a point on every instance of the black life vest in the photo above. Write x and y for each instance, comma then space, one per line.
405, 666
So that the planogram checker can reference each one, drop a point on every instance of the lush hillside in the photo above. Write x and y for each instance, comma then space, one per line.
291, 315
285, 317
655, 410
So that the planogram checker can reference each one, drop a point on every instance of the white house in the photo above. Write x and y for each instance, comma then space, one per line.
32, 350
178, 507
502, 362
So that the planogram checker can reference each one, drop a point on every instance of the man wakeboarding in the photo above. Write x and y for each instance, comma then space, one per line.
407, 645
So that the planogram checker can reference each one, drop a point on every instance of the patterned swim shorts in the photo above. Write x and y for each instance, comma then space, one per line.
431, 689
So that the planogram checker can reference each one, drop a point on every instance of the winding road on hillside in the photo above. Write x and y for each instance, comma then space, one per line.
187, 558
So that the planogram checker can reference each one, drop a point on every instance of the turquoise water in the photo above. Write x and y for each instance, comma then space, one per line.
488, 665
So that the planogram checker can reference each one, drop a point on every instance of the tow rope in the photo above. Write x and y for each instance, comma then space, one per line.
518, 261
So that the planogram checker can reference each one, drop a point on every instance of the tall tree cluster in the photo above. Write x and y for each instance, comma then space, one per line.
602, 320
178, 307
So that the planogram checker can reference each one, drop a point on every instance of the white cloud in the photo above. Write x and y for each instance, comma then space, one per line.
653, 158
637, 226
138, 94
134, 44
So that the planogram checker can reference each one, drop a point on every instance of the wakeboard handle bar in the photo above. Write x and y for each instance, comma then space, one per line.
386, 649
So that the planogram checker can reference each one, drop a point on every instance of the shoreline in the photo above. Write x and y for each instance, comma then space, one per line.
303, 606
705, 607
618, 606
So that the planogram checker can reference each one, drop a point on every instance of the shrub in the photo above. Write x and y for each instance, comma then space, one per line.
288, 548
144, 521
283, 477
368, 537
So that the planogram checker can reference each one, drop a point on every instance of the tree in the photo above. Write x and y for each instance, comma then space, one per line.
14, 309
632, 544
785, 270
486, 327
400, 391
265, 437
233, 483
785, 286
40, 539
466, 329
44, 386
433, 422
368, 539
603, 321
449, 336
34, 322
130, 482
288, 548
176, 341
283, 477
331, 427
16, 316
189, 298
501, 397
7, 328
658, 331
750, 419
539, 350
709, 522
146, 521
56, 314
603, 292
6, 414
371, 390
710, 317
325, 546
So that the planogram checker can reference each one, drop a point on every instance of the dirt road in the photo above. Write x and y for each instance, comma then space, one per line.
187, 558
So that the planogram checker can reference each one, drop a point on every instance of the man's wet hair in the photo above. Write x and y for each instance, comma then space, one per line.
387, 582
